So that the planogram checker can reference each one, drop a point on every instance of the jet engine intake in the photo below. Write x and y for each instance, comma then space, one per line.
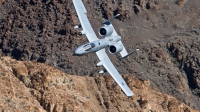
105, 31
115, 48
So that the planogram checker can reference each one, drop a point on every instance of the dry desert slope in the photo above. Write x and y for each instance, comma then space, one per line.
30, 86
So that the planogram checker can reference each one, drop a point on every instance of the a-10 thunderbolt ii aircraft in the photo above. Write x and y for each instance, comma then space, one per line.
110, 40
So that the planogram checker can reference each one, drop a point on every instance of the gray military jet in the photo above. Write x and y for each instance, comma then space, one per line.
111, 40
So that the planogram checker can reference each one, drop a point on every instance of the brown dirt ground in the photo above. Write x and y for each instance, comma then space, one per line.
37, 87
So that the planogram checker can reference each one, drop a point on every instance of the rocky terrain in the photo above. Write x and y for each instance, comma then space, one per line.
165, 31
28, 86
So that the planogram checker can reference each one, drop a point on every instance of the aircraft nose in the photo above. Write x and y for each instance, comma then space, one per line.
75, 52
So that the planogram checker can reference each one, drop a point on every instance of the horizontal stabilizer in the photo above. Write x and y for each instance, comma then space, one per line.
130, 53
110, 19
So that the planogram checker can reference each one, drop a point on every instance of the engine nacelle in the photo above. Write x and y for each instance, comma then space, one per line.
105, 31
115, 48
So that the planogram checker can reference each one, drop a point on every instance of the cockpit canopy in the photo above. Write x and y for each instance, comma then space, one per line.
89, 46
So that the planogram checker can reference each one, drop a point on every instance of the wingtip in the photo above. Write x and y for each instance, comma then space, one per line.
130, 96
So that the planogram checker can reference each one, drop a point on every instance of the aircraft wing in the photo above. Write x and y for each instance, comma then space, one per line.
113, 72
85, 24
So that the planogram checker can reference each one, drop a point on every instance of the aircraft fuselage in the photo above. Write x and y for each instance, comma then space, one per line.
96, 45
91, 47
